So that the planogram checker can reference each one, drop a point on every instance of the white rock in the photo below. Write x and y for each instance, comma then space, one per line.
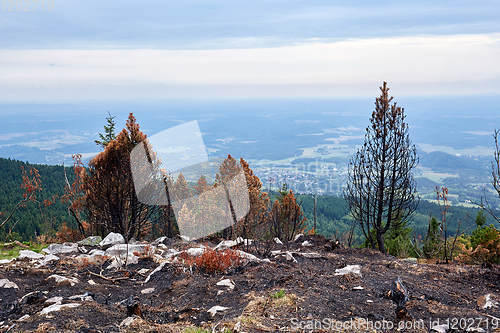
97, 252
306, 243
277, 241
54, 300
24, 318
226, 244
4, 283
248, 256
82, 298
219, 292
185, 238
58, 307
349, 269
440, 328
226, 283
29, 255
61, 248
159, 241
143, 271
128, 321
147, 290
289, 256
61, 280
91, 282
195, 251
5, 261
310, 255
297, 237
358, 288
214, 309
369, 301
118, 262
121, 249
47, 259
275, 253
111, 239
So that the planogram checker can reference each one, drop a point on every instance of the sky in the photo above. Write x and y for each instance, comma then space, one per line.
72, 50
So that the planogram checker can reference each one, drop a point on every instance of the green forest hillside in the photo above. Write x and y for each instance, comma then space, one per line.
35, 218
332, 212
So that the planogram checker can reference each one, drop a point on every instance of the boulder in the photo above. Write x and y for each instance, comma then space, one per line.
91, 241
61, 248
28, 254
4, 283
5, 261
112, 239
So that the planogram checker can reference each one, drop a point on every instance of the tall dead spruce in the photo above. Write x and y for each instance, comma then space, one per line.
380, 188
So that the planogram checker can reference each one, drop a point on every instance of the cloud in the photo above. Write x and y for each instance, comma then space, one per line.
448, 64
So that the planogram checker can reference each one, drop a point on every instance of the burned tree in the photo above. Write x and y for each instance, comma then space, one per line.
380, 187
495, 165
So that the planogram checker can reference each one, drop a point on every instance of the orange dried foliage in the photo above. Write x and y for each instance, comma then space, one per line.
212, 261
67, 234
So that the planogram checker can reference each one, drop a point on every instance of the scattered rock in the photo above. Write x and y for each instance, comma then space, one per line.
214, 309
297, 237
90, 241
5, 261
486, 302
310, 255
91, 282
306, 243
85, 297
61, 280
277, 241
4, 283
129, 321
61, 248
24, 318
112, 239
143, 271
289, 256
248, 256
58, 307
440, 328
275, 253
147, 291
54, 300
195, 251
358, 288
226, 283
28, 254
349, 269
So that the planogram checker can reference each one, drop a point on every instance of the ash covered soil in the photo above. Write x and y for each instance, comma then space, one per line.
293, 292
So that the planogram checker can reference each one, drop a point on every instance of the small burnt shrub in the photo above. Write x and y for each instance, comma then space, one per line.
213, 261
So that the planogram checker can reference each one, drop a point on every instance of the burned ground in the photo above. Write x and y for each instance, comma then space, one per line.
182, 295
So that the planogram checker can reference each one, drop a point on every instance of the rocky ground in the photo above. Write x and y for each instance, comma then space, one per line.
310, 286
